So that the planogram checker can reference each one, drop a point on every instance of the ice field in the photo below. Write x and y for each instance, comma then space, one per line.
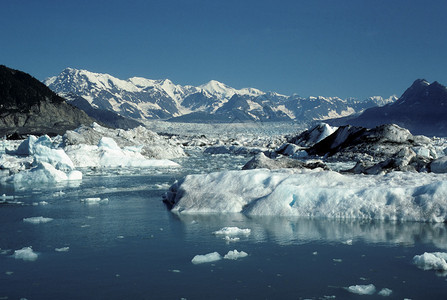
108, 235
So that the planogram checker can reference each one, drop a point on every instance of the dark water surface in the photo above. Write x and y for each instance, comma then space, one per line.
131, 247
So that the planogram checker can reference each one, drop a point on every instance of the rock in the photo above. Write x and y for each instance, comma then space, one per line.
260, 161
27, 106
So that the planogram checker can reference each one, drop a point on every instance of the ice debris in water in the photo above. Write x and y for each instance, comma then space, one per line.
63, 249
94, 200
368, 289
385, 292
232, 231
234, 255
431, 261
37, 220
206, 258
26, 253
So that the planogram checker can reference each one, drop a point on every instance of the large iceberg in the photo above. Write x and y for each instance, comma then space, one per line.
108, 154
397, 196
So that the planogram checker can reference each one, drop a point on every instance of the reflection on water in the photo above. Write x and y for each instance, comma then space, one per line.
286, 231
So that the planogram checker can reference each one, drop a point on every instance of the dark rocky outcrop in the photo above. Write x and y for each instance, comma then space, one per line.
260, 161
27, 106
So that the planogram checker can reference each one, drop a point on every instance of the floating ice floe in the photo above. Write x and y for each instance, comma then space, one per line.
368, 289
234, 255
37, 220
431, 261
206, 258
26, 253
385, 292
232, 231
95, 200
401, 196
63, 249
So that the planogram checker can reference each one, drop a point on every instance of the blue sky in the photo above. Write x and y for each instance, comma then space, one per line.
345, 48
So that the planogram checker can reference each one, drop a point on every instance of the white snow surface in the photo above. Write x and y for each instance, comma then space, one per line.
37, 220
206, 258
314, 193
431, 261
26, 253
368, 289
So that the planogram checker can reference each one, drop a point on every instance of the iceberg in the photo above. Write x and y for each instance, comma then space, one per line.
385, 292
26, 253
368, 289
233, 231
108, 154
37, 220
234, 255
206, 258
431, 261
396, 196
43, 173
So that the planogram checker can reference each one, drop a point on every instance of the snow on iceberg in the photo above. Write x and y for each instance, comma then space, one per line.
37, 220
108, 154
314, 193
206, 258
43, 173
234, 255
431, 261
368, 289
26, 253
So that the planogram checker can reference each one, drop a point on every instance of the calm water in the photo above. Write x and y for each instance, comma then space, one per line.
131, 247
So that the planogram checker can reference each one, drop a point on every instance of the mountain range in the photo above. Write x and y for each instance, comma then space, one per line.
141, 99
422, 109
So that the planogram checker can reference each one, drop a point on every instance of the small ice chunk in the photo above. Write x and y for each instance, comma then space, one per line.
26, 253
235, 254
233, 231
94, 200
206, 258
368, 289
348, 242
5, 197
37, 220
431, 261
231, 239
63, 249
385, 292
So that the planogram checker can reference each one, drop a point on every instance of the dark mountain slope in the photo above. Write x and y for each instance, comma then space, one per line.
422, 109
27, 106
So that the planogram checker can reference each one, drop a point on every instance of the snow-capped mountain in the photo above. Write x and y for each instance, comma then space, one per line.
142, 98
422, 109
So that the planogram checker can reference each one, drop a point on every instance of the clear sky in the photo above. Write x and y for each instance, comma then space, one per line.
345, 48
